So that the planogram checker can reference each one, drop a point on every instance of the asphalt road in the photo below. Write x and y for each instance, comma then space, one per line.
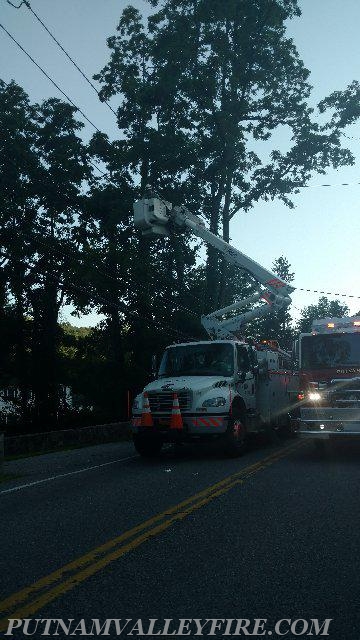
99, 533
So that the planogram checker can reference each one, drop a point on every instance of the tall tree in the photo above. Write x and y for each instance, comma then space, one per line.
201, 88
58, 227
19, 168
44, 165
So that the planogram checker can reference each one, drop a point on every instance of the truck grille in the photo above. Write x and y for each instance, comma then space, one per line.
162, 401
346, 393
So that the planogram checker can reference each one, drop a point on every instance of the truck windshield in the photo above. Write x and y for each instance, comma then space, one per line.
328, 351
211, 359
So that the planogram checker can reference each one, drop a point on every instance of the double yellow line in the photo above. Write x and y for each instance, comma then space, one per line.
28, 601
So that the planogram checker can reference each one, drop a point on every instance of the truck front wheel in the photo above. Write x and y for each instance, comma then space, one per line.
147, 447
236, 435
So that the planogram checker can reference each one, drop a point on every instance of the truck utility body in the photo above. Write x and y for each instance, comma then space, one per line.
330, 379
211, 378
226, 387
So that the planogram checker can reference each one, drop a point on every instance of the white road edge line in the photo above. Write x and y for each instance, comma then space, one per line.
64, 475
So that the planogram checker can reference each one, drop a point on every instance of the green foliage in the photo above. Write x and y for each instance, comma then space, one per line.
325, 308
77, 245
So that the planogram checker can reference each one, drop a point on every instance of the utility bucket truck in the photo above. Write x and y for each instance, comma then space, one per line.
224, 388
329, 373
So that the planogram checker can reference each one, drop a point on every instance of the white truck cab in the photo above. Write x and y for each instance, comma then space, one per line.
226, 389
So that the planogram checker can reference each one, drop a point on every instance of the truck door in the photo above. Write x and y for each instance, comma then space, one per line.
245, 385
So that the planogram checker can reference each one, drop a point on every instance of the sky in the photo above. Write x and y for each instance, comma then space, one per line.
320, 237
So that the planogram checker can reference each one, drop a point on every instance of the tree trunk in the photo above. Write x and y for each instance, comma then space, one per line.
212, 263
227, 270
44, 354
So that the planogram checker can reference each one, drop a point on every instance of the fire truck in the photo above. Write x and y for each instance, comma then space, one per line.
329, 380
226, 387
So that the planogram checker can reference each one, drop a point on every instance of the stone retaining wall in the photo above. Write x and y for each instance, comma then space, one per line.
53, 440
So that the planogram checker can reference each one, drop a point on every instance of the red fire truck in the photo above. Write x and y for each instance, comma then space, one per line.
329, 396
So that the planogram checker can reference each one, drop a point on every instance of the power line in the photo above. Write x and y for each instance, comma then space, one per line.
103, 173
27, 4
328, 293
14, 5
315, 186
49, 78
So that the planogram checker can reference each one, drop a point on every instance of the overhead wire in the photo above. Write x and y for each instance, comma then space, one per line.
315, 186
27, 4
49, 78
328, 293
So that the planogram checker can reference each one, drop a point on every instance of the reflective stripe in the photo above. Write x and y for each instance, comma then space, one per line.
208, 422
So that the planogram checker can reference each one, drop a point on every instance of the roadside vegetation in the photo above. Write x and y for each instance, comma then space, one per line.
199, 88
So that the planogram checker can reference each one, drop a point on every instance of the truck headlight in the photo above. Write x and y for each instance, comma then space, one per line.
314, 396
214, 402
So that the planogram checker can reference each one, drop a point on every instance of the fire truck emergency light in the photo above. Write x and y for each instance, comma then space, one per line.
342, 325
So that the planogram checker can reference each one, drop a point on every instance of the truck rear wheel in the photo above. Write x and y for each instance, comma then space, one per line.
236, 435
147, 446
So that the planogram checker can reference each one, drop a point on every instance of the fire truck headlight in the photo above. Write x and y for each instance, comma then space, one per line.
314, 396
214, 402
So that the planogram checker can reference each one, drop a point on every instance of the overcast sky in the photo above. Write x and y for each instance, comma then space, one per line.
320, 237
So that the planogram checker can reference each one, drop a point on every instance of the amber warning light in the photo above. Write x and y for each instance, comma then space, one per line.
331, 325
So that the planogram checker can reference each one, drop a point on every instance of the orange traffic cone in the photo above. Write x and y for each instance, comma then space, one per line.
146, 417
176, 419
